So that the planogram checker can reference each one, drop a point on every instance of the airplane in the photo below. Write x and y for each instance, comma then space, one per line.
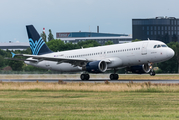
137, 57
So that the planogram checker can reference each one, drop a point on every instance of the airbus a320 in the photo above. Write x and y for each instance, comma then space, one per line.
137, 57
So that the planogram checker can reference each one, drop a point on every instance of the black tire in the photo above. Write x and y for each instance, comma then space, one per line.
112, 77
87, 76
82, 76
116, 76
152, 73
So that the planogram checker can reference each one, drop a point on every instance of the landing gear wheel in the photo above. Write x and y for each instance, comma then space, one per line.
111, 76
87, 76
114, 76
152, 73
84, 76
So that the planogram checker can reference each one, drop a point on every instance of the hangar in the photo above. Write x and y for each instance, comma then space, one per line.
101, 38
14, 46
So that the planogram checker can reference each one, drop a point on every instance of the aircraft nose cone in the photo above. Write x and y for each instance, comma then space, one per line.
170, 53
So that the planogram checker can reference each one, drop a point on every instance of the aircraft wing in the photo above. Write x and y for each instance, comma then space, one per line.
31, 60
38, 58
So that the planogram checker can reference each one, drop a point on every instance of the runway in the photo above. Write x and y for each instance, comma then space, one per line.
89, 81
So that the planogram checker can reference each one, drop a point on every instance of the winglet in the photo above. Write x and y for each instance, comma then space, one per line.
13, 54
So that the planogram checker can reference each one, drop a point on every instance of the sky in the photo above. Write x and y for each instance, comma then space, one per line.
113, 16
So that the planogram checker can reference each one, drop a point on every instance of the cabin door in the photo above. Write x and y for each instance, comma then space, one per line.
144, 48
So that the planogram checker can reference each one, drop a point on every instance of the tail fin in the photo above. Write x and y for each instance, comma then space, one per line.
37, 45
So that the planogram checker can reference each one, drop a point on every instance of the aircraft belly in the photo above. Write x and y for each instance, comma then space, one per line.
65, 67
129, 60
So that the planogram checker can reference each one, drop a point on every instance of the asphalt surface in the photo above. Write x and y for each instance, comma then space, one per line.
89, 81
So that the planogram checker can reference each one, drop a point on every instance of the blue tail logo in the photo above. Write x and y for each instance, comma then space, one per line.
35, 47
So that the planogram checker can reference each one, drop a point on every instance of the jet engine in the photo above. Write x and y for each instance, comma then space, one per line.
140, 69
96, 67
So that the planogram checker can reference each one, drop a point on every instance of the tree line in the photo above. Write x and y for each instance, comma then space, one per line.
170, 66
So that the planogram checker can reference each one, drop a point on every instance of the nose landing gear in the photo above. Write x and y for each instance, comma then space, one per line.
152, 73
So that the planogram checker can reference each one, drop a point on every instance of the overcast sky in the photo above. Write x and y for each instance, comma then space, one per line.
113, 16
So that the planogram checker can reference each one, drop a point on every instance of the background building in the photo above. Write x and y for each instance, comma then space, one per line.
165, 29
14, 46
101, 38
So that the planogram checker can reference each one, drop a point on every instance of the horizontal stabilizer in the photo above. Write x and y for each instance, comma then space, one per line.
13, 54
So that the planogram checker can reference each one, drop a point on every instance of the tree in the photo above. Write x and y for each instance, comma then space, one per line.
32, 68
136, 40
56, 45
50, 36
108, 43
88, 43
16, 65
175, 47
44, 37
1, 61
171, 65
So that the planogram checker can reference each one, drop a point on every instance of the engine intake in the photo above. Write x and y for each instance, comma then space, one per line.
96, 67
140, 69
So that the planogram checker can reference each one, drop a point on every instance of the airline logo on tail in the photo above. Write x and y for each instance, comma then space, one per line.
35, 47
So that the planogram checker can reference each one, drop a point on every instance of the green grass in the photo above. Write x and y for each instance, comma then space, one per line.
62, 104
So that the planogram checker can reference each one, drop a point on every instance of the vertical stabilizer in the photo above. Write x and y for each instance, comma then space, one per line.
37, 44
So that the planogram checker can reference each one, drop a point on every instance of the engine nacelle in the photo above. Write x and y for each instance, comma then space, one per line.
96, 67
140, 69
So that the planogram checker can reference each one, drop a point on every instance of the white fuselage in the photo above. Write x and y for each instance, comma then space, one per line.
119, 55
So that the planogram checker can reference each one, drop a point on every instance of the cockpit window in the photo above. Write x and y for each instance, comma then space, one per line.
164, 45
155, 46
158, 46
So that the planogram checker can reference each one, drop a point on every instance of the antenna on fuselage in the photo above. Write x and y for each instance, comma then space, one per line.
148, 39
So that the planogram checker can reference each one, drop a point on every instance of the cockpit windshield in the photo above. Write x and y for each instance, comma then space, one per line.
164, 45
158, 46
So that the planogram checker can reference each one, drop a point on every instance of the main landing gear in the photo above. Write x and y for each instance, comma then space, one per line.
85, 76
114, 76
